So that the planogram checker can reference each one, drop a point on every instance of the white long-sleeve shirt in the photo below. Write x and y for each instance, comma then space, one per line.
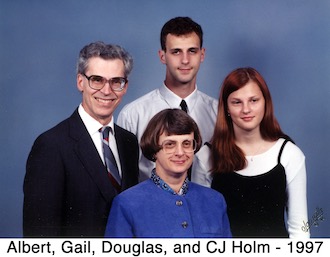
292, 159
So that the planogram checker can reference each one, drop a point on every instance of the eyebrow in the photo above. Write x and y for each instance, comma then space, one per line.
187, 137
180, 49
250, 97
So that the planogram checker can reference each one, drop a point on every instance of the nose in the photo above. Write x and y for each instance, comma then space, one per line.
185, 58
246, 108
179, 150
106, 89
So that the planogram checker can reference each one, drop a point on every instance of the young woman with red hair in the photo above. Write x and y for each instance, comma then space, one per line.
258, 169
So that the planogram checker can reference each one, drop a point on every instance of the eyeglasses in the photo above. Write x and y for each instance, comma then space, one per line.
170, 146
98, 82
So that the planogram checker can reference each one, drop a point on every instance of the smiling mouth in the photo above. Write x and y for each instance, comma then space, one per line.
180, 162
101, 100
247, 118
185, 70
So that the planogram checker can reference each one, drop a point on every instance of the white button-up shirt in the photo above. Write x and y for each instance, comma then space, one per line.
136, 115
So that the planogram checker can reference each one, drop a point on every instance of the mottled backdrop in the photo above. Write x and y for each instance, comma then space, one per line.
287, 41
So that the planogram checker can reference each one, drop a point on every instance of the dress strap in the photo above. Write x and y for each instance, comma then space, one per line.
281, 150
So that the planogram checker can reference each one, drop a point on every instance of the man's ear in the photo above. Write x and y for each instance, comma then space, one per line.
203, 54
80, 82
161, 54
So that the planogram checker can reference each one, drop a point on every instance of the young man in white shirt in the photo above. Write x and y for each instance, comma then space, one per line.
182, 52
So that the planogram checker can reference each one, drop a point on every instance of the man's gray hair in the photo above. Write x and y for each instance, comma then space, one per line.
106, 52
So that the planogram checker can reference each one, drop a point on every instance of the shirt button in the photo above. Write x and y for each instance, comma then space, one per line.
184, 224
178, 203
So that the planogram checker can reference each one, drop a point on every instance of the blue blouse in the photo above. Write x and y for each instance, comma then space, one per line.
153, 209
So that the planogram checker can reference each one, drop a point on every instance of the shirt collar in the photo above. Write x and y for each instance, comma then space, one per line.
163, 185
91, 124
174, 101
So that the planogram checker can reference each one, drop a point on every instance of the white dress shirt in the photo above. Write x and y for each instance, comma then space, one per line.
93, 127
136, 115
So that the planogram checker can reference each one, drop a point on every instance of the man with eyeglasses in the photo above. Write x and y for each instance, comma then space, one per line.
75, 169
182, 52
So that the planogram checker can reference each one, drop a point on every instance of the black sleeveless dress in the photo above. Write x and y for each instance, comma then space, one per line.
256, 204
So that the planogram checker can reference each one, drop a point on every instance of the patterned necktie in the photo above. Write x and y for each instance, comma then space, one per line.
109, 159
184, 106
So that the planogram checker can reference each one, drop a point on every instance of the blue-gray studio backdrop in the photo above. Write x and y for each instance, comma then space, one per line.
287, 41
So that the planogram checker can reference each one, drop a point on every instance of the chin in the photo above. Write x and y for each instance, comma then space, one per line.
180, 170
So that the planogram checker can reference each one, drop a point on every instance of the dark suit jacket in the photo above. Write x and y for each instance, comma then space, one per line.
67, 192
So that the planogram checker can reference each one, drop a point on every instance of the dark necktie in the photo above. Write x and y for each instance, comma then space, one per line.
109, 159
184, 106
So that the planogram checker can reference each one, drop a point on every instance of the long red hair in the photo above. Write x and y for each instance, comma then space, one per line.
226, 155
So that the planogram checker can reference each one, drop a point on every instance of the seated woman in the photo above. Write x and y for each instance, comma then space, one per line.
168, 204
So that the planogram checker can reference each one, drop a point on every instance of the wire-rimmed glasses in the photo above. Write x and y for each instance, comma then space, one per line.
170, 146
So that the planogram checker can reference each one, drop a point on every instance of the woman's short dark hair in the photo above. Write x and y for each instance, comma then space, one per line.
170, 122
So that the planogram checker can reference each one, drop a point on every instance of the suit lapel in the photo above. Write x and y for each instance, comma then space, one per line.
122, 151
128, 157
89, 157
